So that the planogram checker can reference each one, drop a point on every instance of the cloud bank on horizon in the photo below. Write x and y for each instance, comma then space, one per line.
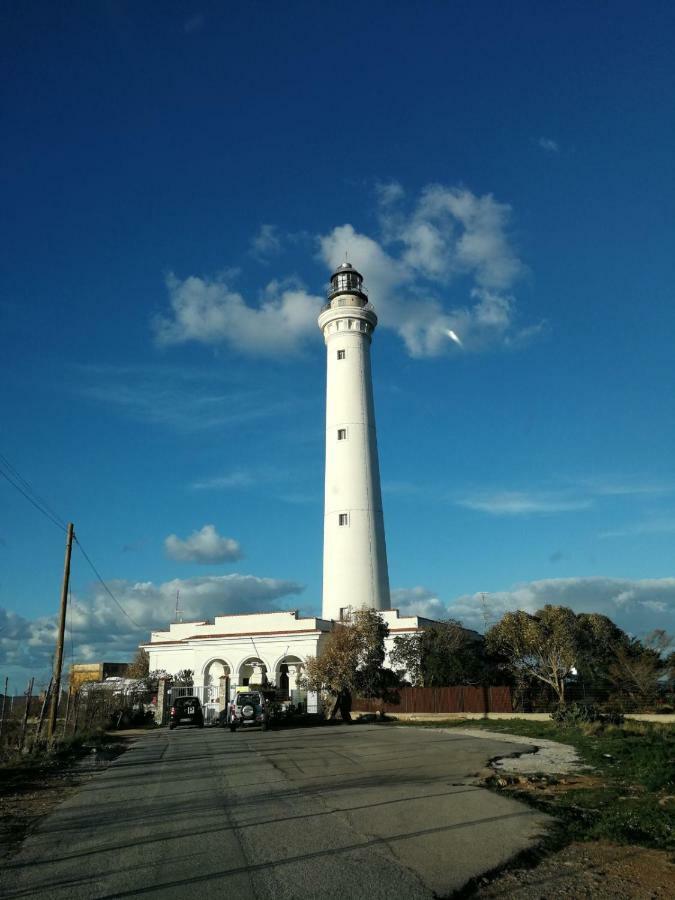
99, 632
636, 605
440, 270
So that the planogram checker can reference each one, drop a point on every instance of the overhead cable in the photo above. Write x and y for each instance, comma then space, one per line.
105, 586
27, 486
34, 502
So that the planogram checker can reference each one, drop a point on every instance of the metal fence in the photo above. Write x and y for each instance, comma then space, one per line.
94, 707
208, 695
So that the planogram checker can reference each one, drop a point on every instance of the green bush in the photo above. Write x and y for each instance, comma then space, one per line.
575, 714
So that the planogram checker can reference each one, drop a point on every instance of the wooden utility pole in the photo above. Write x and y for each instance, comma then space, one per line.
58, 656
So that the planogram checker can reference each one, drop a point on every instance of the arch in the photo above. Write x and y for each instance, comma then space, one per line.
285, 678
215, 668
251, 668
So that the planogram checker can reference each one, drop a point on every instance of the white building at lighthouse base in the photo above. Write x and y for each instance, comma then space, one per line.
238, 650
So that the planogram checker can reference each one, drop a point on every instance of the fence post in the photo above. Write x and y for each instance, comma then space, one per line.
77, 712
65, 720
160, 710
4, 700
29, 694
43, 709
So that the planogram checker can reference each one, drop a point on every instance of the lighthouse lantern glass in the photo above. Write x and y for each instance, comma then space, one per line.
347, 281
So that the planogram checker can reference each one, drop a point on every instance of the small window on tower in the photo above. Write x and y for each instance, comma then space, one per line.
341, 354
342, 434
343, 519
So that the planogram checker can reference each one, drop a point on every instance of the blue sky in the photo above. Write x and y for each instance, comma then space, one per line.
176, 185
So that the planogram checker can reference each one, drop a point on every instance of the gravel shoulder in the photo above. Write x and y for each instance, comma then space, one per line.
597, 870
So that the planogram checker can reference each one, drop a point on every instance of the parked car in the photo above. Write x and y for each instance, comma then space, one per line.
186, 711
249, 709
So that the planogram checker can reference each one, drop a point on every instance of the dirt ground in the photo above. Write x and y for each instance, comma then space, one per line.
597, 870
28, 793
25, 797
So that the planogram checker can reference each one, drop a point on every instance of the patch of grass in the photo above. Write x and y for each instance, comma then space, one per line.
636, 763
61, 752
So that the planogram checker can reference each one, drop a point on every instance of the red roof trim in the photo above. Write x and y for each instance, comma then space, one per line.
240, 634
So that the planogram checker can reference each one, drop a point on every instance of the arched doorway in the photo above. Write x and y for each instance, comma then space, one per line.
217, 677
287, 671
252, 671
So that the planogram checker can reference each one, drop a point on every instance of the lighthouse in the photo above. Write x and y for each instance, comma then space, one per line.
354, 551
242, 649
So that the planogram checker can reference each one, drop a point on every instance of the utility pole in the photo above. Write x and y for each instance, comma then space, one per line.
58, 656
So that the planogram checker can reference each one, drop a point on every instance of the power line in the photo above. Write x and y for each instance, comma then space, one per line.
105, 586
34, 502
43, 507
29, 487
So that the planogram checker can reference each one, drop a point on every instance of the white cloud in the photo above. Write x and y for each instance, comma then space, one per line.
519, 503
447, 235
266, 243
185, 399
207, 311
389, 192
101, 632
203, 546
222, 482
623, 486
655, 525
549, 145
637, 606
418, 601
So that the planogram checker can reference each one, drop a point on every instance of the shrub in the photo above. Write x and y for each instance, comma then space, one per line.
575, 714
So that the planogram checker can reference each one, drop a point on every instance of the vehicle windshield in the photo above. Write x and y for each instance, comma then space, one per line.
247, 698
186, 701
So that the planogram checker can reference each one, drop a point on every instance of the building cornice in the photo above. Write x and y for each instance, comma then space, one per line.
235, 634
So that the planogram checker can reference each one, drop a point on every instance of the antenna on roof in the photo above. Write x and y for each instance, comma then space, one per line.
487, 618
179, 611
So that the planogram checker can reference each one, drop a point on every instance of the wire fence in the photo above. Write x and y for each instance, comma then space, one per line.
91, 709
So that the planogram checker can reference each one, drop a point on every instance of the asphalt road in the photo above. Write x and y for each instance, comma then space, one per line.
345, 812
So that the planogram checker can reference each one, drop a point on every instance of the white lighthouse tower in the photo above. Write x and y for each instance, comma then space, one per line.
354, 551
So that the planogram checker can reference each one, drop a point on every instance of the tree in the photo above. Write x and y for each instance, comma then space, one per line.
636, 670
351, 661
444, 653
543, 647
407, 657
598, 641
140, 667
184, 678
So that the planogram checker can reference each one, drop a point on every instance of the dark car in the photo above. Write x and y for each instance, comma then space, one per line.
186, 711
